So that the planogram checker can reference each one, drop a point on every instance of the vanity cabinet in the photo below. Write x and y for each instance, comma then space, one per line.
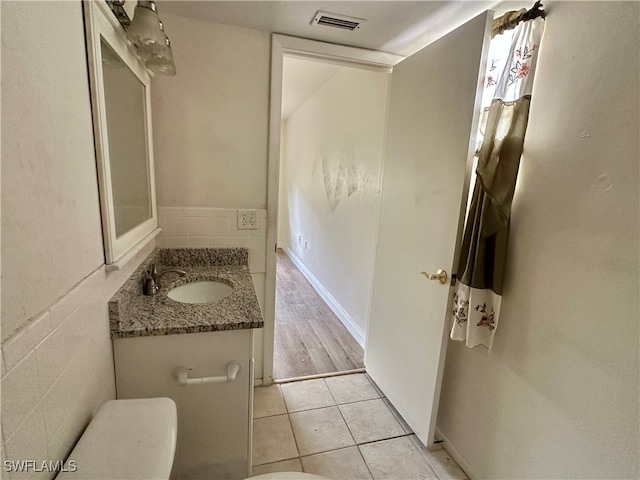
214, 420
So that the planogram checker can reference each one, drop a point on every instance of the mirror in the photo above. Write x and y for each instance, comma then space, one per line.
120, 91
124, 108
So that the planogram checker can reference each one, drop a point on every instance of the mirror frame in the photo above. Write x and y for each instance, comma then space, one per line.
101, 23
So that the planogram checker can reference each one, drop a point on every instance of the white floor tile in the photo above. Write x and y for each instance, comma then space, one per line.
268, 401
399, 418
292, 465
307, 395
320, 430
441, 462
346, 463
395, 459
273, 440
370, 421
351, 388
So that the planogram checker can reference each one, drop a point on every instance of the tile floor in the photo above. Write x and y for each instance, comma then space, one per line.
341, 428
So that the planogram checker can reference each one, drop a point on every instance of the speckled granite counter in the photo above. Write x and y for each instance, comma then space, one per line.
133, 314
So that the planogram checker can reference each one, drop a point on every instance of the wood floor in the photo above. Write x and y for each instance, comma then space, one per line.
309, 338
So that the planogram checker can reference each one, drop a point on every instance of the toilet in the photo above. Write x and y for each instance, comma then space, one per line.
134, 440
126, 440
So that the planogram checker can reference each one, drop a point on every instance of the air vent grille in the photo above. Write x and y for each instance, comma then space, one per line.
325, 19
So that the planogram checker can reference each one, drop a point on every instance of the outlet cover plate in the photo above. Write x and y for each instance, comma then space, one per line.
247, 219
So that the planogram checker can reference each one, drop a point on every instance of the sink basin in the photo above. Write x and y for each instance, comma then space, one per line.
205, 291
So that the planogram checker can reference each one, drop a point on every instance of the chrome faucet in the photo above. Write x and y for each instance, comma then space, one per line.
151, 281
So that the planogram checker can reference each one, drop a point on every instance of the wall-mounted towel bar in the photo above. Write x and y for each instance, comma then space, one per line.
182, 376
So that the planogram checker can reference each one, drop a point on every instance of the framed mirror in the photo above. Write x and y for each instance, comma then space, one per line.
121, 102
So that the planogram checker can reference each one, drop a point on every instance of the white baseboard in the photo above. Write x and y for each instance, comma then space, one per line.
457, 456
340, 312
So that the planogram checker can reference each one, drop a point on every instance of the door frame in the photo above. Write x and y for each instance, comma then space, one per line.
282, 45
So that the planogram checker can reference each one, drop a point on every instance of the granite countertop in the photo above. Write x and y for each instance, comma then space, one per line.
133, 314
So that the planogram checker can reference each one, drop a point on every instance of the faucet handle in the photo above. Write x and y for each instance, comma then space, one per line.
152, 269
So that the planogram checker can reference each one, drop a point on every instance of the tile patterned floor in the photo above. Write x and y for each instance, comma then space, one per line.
342, 428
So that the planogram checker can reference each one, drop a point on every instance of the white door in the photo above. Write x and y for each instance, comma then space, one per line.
433, 110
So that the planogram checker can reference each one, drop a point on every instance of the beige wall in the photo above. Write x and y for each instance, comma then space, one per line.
50, 205
210, 140
558, 395
211, 120
330, 191
57, 363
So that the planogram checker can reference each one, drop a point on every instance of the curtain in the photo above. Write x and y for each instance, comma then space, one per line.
505, 110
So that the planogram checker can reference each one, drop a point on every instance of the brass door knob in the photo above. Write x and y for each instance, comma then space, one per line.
440, 275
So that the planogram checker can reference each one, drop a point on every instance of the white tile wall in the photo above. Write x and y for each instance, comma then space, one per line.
57, 370
212, 227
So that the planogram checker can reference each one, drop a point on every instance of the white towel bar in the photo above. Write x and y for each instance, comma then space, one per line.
182, 376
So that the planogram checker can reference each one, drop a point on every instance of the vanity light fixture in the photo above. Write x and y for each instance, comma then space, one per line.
146, 32
162, 62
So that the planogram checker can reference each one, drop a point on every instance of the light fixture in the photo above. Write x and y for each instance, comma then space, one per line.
162, 62
147, 34
145, 31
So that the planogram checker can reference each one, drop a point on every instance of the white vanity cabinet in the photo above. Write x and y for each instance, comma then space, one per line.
214, 420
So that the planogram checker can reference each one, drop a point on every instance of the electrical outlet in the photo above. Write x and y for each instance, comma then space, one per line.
247, 219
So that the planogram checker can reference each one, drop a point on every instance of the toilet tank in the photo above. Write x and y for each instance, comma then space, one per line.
126, 440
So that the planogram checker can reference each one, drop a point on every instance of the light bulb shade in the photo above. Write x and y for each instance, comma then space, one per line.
145, 31
161, 61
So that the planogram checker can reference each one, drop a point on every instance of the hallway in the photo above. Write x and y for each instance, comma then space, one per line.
309, 338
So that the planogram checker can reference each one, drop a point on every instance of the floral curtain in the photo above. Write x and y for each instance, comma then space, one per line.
505, 111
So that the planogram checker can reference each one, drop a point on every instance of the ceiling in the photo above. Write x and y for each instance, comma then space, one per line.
400, 27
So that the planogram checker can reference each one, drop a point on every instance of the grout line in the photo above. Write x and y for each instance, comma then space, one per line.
345, 422
276, 461
295, 440
385, 439
365, 461
330, 392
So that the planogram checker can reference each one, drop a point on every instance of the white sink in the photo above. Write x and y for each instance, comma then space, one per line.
205, 291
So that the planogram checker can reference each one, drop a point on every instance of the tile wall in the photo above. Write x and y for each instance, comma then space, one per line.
212, 227
57, 370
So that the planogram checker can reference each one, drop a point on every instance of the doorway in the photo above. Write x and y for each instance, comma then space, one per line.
331, 142
427, 154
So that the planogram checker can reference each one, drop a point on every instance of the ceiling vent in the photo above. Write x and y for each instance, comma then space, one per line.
326, 19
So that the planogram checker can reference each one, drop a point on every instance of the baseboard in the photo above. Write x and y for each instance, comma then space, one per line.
457, 456
340, 312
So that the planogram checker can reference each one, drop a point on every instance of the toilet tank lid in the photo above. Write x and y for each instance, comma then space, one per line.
127, 439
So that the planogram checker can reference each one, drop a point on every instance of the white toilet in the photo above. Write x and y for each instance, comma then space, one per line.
135, 440
127, 440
